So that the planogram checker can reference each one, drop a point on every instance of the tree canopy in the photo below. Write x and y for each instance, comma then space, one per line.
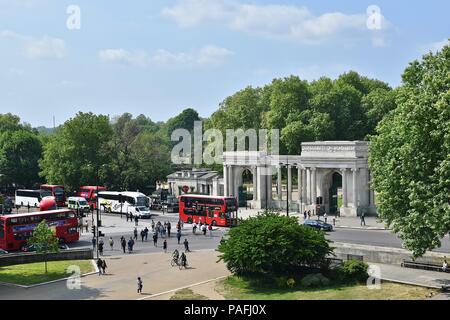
410, 155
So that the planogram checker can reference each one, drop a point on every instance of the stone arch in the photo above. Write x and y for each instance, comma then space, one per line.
330, 183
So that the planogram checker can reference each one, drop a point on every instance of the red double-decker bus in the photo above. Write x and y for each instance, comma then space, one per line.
15, 229
90, 194
57, 192
216, 211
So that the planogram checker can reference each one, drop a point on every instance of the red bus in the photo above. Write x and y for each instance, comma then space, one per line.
90, 194
217, 211
15, 229
57, 192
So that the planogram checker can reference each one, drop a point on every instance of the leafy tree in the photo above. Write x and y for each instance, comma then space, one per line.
9, 122
410, 155
77, 152
44, 240
272, 244
377, 104
20, 151
185, 120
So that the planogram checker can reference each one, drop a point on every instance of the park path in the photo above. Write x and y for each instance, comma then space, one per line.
120, 282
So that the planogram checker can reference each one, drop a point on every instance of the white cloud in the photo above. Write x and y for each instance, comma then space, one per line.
37, 48
209, 55
290, 22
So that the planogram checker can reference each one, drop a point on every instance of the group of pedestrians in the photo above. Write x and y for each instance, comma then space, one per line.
307, 214
131, 218
101, 266
203, 227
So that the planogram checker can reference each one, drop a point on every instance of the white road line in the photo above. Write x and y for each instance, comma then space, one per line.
181, 288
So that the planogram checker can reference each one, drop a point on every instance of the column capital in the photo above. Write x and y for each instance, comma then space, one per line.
355, 169
313, 168
344, 170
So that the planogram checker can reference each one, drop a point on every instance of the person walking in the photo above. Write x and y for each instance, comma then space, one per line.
325, 217
136, 221
130, 245
363, 219
140, 285
309, 214
305, 214
210, 230
111, 243
155, 239
142, 235
100, 246
153, 226
87, 227
104, 266
194, 227
186, 245
169, 226
135, 233
99, 266
128, 217
165, 246
179, 236
444, 265
94, 243
146, 233
123, 242
204, 229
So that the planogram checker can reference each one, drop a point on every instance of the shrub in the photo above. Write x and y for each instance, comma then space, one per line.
354, 270
314, 280
270, 244
290, 282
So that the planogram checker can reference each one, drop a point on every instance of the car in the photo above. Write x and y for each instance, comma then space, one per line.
32, 247
3, 252
318, 224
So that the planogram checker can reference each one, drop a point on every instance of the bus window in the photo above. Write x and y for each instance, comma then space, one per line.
2, 229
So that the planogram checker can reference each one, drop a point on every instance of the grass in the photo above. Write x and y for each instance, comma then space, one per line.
187, 294
235, 288
33, 273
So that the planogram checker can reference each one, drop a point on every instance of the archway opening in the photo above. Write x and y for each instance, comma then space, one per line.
246, 188
336, 184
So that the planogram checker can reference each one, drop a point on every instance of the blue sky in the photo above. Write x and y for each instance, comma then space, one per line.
159, 57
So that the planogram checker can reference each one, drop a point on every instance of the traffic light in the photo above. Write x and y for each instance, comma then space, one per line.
101, 234
93, 229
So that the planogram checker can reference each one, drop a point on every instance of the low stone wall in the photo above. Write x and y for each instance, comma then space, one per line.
384, 255
31, 257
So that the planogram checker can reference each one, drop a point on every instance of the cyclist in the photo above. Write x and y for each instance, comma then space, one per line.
175, 255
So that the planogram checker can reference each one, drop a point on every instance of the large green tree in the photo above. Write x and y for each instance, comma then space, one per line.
44, 239
410, 155
77, 153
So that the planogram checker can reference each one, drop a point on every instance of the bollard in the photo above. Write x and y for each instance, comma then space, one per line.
334, 221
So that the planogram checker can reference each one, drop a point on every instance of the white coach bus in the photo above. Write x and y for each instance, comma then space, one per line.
31, 197
124, 202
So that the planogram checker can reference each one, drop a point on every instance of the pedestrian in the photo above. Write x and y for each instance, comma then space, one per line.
165, 246
123, 242
304, 214
104, 266
128, 216
153, 225
100, 247
142, 235
140, 285
194, 227
210, 230
164, 232
87, 227
444, 265
179, 236
325, 217
146, 233
186, 245
99, 266
135, 233
204, 229
155, 239
94, 243
363, 220
130, 245
111, 243
169, 226
309, 214
136, 221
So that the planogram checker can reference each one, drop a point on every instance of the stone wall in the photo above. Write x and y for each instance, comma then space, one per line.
31, 257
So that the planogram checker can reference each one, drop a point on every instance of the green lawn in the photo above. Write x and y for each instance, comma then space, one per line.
33, 273
234, 288
187, 294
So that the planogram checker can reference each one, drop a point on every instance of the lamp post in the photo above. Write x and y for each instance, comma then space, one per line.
287, 188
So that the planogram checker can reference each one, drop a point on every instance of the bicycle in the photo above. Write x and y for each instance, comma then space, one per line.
182, 265
174, 262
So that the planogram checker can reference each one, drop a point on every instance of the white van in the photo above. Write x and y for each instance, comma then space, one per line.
79, 204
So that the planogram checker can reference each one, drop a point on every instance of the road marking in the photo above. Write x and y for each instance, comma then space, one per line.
181, 288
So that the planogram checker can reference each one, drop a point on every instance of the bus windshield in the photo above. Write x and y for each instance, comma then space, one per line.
46, 193
142, 202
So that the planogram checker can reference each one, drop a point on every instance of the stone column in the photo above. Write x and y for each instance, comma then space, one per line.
230, 181
225, 180
255, 182
279, 184
313, 186
289, 183
355, 195
308, 186
269, 184
299, 182
344, 188
304, 186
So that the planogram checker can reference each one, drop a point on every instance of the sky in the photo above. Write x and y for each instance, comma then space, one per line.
159, 57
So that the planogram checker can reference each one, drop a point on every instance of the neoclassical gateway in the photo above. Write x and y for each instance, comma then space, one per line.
331, 176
